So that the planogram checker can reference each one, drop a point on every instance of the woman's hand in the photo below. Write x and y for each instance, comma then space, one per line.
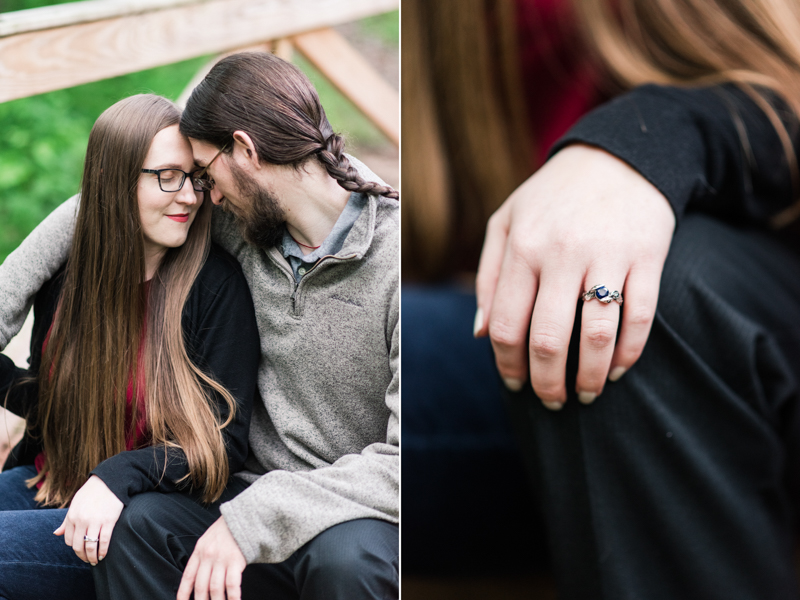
585, 218
93, 513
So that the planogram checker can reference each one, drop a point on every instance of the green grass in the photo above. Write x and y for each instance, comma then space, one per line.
44, 137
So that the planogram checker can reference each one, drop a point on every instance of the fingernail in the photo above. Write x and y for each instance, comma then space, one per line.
616, 373
513, 384
553, 405
586, 397
93, 564
99, 558
478, 322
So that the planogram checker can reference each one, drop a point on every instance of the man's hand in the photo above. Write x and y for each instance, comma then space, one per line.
93, 512
585, 218
215, 566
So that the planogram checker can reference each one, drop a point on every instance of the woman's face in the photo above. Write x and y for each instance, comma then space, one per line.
166, 216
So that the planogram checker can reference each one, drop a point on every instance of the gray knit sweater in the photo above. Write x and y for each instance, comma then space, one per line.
325, 436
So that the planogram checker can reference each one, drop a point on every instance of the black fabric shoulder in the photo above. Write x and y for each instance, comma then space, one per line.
711, 149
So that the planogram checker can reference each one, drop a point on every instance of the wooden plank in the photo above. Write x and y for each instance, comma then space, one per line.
60, 15
354, 77
42, 61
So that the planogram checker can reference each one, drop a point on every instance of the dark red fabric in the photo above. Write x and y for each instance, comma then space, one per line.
559, 81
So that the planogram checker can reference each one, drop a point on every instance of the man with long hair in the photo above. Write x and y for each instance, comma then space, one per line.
317, 235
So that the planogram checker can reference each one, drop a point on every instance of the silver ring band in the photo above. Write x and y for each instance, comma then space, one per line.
603, 295
86, 538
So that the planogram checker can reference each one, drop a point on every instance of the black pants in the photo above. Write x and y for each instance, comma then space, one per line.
681, 480
156, 533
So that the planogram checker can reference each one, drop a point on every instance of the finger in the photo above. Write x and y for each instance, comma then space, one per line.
599, 324
105, 540
90, 548
638, 311
510, 318
551, 327
78, 544
188, 578
216, 583
60, 529
489, 268
201, 581
233, 583
69, 530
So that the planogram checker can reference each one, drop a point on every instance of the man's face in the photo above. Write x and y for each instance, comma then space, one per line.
256, 208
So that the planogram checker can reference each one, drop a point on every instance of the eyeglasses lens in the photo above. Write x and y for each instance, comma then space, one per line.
171, 180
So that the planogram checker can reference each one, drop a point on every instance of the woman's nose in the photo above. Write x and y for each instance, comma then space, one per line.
187, 194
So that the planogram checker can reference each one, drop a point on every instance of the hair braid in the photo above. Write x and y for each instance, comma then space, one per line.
338, 166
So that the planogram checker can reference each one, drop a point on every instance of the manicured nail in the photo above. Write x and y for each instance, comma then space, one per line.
616, 373
478, 322
553, 405
586, 397
99, 558
513, 384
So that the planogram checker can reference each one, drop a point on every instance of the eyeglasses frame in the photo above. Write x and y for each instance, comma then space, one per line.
204, 183
204, 170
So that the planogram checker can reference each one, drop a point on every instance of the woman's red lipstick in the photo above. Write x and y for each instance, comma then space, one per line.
179, 218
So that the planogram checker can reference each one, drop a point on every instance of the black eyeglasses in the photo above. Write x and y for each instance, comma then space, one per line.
171, 180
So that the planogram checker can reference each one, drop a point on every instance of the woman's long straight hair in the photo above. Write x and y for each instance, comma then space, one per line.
466, 142
752, 43
112, 332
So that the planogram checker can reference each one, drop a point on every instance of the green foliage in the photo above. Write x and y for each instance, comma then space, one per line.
384, 26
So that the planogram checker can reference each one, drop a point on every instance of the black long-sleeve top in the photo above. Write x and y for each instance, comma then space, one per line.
221, 337
710, 149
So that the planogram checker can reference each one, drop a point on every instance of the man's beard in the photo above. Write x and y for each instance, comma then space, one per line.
261, 223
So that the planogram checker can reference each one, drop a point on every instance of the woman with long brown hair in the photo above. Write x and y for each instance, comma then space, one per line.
143, 359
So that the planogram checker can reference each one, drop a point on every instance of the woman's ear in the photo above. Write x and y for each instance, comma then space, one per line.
244, 146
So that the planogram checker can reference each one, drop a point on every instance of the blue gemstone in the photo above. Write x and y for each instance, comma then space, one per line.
601, 292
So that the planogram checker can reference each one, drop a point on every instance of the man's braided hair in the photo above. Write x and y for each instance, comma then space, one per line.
277, 106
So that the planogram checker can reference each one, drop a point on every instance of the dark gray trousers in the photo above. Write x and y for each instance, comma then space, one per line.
156, 533
681, 480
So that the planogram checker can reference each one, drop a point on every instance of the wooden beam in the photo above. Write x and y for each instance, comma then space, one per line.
51, 59
354, 77
60, 15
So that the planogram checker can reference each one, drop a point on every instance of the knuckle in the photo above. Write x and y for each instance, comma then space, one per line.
546, 344
520, 245
638, 316
215, 588
600, 334
505, 335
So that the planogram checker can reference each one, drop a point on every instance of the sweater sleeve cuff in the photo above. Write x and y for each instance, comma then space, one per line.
653, 132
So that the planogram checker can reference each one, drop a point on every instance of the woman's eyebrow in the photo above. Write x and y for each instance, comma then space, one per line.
169, 166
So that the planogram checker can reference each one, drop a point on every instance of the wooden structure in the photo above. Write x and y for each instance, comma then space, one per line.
54, 47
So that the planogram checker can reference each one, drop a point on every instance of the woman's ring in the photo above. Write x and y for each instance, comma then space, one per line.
601, 293
86, 538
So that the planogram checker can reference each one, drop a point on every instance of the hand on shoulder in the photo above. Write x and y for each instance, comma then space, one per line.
585, 218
